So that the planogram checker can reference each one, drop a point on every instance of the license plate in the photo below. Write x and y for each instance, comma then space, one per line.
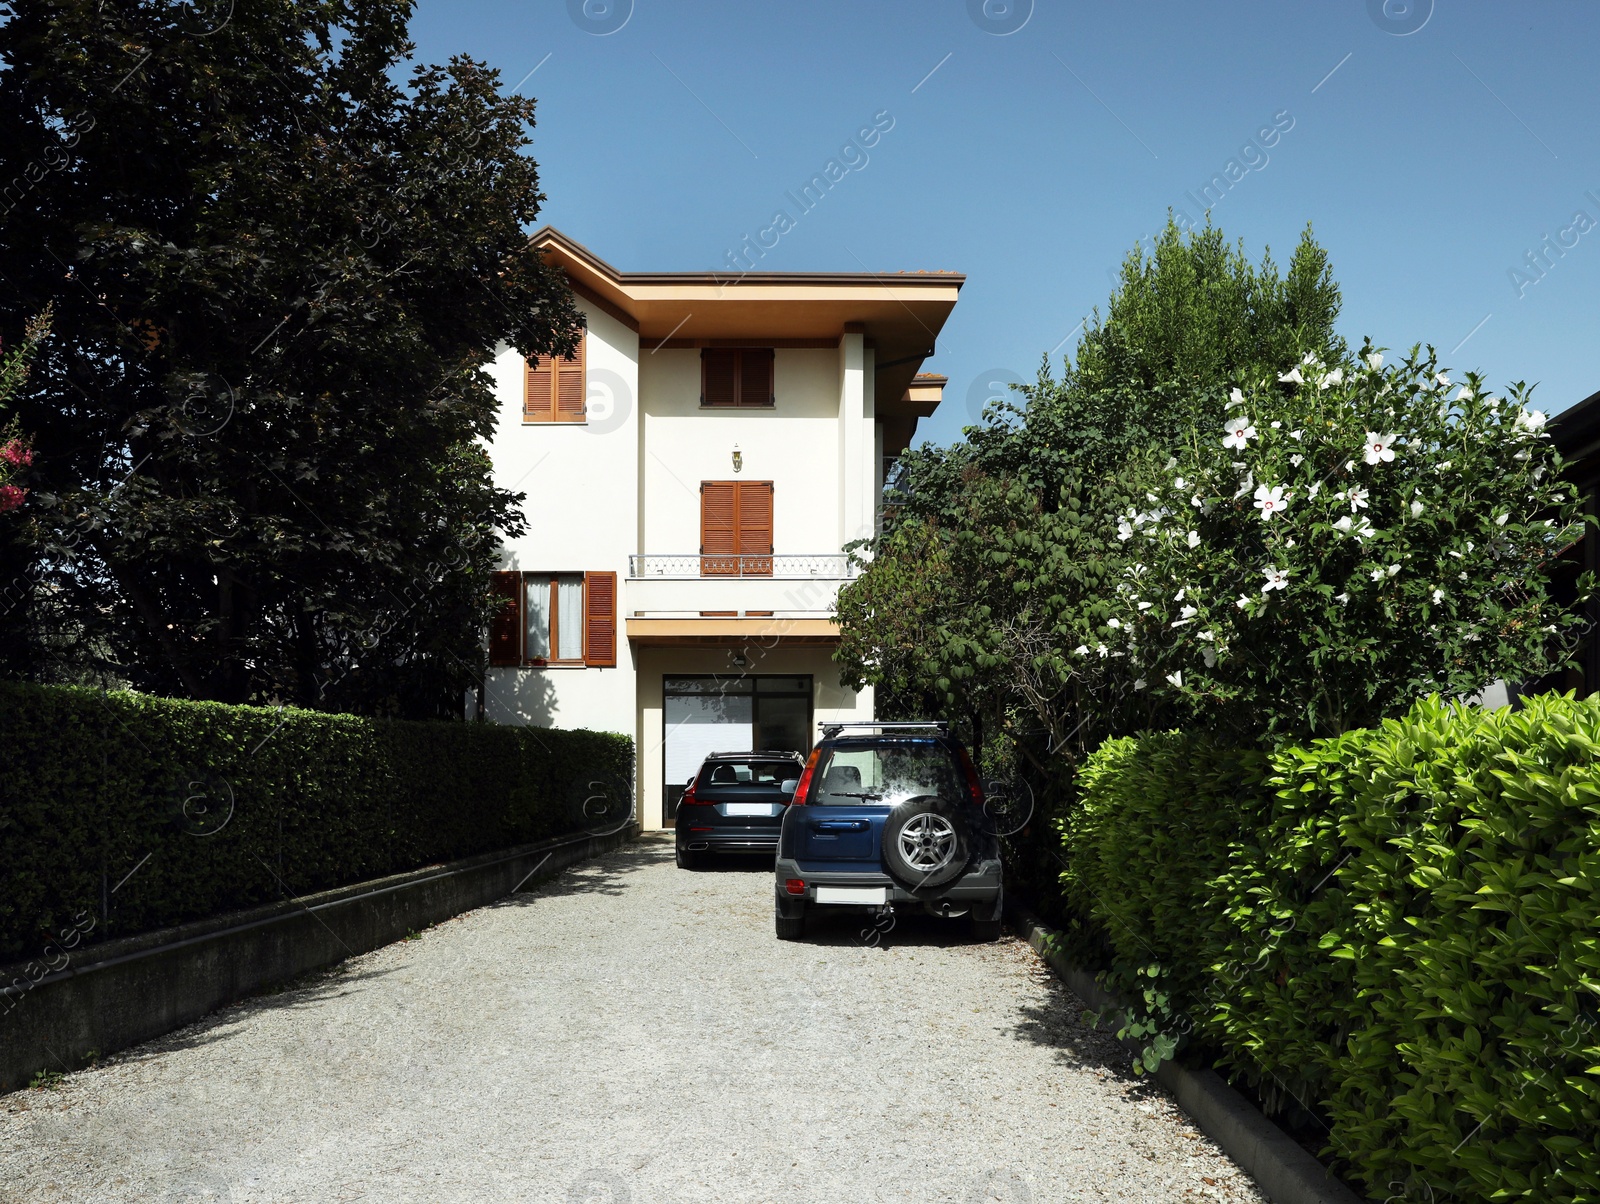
750, 809
853, 894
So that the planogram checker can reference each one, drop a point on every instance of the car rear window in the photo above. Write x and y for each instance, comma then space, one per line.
746, 774
886, 772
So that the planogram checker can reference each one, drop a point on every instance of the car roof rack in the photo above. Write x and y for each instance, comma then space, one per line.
938, 727
760, 752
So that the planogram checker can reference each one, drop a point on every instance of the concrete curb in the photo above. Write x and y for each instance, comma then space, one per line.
1280, 1167
116, 994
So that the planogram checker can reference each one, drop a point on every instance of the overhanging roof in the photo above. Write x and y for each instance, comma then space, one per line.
900, 313
730, 632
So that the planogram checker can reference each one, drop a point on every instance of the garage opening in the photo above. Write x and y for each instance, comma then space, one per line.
707, 713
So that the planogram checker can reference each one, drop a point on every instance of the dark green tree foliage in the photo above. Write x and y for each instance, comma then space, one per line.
276, 275
1000, 556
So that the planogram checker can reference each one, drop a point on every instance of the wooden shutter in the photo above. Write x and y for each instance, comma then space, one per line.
556, 389
755, 376
571, 385
755, 528
719, 528
719, 377
538, 396
600, 620
505, 624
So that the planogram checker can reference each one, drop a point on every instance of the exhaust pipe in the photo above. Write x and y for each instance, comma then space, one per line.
699, 846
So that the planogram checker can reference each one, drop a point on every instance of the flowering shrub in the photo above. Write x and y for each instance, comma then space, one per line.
15, 454
1350, 539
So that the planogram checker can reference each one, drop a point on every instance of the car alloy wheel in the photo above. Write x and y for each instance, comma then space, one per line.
927, 842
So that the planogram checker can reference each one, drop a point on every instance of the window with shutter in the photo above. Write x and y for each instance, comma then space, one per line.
736, 528
719, 528
505, 623
736, 377
555, 390
600, 619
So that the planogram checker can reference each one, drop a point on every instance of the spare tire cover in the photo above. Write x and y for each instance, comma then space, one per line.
926, 842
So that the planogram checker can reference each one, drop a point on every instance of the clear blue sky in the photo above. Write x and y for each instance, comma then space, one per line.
1429, 164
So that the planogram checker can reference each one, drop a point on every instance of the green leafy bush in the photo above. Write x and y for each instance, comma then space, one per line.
143, 812
1399, 928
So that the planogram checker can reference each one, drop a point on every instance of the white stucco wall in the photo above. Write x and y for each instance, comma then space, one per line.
581, 482
794, 445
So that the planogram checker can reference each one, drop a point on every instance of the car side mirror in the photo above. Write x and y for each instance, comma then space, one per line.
789, 785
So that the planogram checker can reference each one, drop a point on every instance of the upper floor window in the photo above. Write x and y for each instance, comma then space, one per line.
736, 377
554, 389
736, 528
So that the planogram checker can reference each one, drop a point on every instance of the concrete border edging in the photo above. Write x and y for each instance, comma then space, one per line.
119, 993
1284, 1171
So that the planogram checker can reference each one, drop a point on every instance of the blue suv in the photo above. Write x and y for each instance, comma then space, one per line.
888, 815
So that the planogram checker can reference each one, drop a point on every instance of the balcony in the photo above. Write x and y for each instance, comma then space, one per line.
833, 567
733, 591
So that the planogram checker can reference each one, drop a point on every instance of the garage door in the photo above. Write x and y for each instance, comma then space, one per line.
703, 715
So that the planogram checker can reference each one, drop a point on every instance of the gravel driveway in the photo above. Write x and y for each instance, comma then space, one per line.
629, 1032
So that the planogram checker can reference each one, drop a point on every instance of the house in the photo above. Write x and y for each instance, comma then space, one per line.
692, 478
1576, 434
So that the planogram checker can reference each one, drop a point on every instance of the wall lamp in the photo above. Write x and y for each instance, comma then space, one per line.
738, 459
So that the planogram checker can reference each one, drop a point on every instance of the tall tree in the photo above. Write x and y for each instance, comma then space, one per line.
276, 276
1002, 555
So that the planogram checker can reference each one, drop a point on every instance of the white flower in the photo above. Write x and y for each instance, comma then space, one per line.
1146, 605
1379, 447
1438, 595
1245, 485
1270, 501
1296, 434
1316, 488
1178, 597
1331, 378
1443, 378
1291, 377
1176, 679
1375, 360
1238, 434
1193, 539
1180, 622
1349, 465
1463, 576
1444, 466
1209, 654
1417, 508
1235, 398
1189, 612
1466, 393
1277, 425
1196, 502
1344, 524
1205, 635
1531, 420
1358, 498
1180, 483
1081, 650
1172, 462
1140, 684
1102, 650
1342, 599
1276, 578
1500, 520
1297, 459
1244, 600
1393, 569
1113, 623
1377, 574
1124, 530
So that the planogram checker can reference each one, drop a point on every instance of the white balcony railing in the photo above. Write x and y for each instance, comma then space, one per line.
835, 567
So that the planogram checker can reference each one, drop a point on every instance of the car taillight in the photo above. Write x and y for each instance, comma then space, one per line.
805, 782
974, 786
688, 799
795, 886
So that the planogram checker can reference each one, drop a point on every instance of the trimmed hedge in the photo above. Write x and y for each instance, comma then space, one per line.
1398, 927
143, 812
